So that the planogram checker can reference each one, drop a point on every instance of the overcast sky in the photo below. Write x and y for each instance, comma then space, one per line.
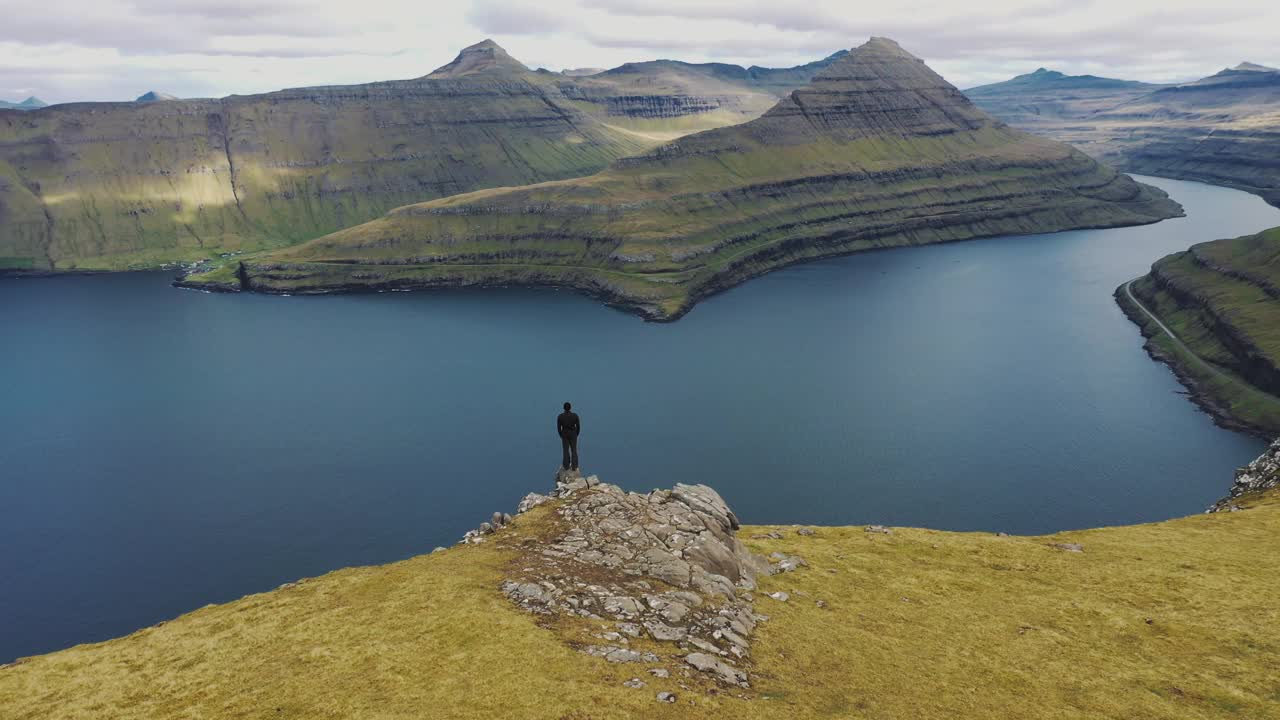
65, 50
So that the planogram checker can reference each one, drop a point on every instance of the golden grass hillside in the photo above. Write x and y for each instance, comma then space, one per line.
1169, 620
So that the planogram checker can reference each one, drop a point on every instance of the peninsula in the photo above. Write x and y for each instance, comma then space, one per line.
877, 151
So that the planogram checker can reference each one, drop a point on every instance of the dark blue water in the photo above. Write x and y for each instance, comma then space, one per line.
163, 449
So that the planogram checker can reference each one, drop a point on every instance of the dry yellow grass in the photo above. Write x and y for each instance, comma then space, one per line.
1168, 620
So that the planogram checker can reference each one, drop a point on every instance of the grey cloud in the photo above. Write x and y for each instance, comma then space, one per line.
502, 18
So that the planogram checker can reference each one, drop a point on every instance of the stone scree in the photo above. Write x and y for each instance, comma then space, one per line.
1259, 475
664, 565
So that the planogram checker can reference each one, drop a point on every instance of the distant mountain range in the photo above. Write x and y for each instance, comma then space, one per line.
1222, 129
31, 103
875, 151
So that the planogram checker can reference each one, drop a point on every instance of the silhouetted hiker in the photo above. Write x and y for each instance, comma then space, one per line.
568, 425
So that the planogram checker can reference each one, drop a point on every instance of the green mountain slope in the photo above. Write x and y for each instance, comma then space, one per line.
121, 185
1222, 301
114, 185
878, 151
1223, 129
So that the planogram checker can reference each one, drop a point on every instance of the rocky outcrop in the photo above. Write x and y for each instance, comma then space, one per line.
664, 566
878, 151
1259, 475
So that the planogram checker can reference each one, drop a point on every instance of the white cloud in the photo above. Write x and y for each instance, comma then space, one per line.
65, 50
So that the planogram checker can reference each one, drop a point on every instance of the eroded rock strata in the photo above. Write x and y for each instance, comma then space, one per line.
1223, 298
137, 184
878, 151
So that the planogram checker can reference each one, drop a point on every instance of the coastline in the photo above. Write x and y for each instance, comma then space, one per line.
1197, 389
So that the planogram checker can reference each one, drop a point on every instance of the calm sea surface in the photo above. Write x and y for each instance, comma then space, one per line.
163, 449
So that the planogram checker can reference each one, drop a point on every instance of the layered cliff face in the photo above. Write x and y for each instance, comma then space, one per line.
1222, 300
114, 185
877, 151
667, 98
120, 185
1223, 129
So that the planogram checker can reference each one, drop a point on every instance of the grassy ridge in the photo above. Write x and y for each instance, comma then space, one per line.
1220, 299
1171, 619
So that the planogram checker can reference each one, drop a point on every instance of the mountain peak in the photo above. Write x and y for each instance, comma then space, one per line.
153, 96
880, 88
1254, 67
33, 102
485, 56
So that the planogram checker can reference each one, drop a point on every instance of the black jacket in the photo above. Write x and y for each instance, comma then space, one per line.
567, 424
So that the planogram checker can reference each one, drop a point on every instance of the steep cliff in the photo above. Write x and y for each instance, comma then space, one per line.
877, 151
1222, 300
1223, 129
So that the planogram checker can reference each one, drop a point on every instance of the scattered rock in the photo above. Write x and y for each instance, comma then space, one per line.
822, 604
436, 550
636, 683
805, 531
660, 672
722, 671
1069, 547
878, 529
1002, 534
780, 596
531, 501
787, 563
666, 697
496, 520
771, 535
619, 654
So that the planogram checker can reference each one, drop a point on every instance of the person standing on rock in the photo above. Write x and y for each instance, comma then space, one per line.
568, 426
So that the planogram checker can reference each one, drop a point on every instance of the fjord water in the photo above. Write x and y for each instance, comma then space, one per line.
163, 449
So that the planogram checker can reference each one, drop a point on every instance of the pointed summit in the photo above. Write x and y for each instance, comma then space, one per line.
485, 57
1254, 67
33, 102
880, 88
153, 96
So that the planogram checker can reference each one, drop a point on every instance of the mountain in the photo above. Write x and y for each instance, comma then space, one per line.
1223, 129
877, 151
122, 185
1047, 98
31, 103
1223, 299
665, 99
553, 614
153, 96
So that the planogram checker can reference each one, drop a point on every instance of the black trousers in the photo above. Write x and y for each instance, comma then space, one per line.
569, 444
